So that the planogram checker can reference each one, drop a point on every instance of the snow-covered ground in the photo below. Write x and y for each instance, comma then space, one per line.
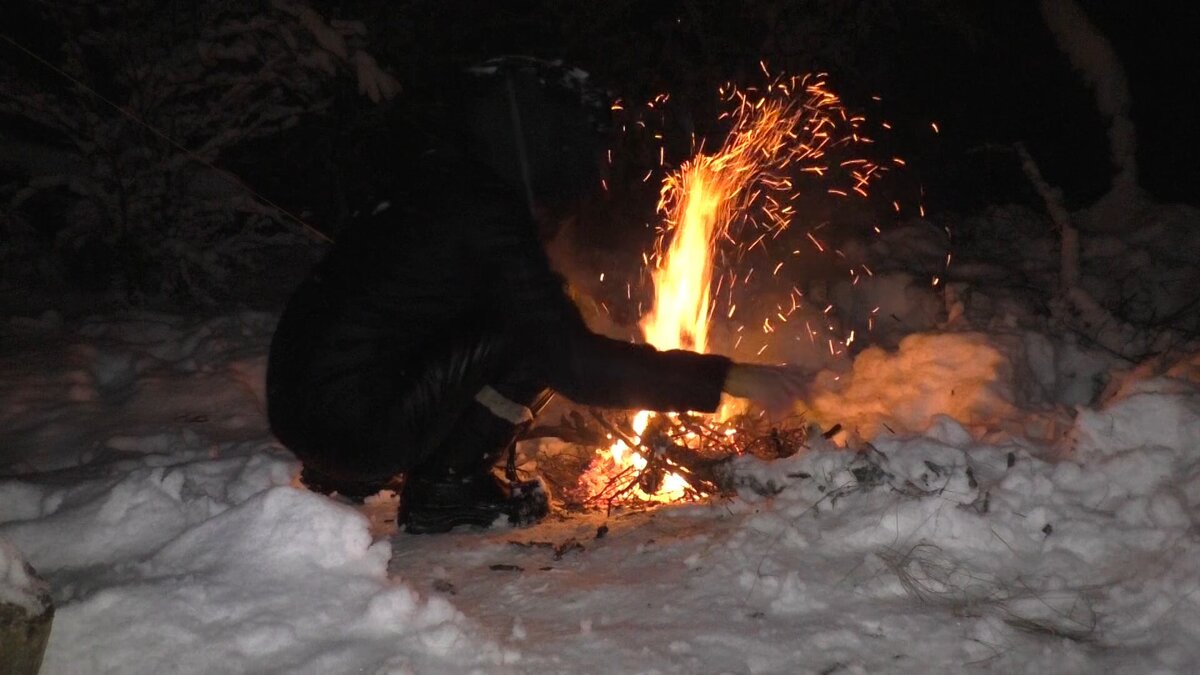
1001, 498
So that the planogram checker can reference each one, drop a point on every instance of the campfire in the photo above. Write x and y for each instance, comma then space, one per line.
716, 210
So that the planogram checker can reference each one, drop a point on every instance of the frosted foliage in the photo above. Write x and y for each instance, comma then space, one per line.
373, 81
144, 206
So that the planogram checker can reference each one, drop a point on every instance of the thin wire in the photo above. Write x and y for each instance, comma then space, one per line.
232, 178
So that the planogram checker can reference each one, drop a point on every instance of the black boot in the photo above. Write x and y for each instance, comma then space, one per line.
456, 486
429, 506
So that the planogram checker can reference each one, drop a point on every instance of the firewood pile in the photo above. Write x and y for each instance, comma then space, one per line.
695, 447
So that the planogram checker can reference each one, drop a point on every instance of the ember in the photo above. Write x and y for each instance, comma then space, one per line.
723, 205
677, 457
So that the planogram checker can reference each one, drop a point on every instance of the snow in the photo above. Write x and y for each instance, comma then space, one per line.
961, 375
18, 585
281, 582
1001, 496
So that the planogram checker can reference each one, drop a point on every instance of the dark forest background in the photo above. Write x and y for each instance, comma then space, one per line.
262, 133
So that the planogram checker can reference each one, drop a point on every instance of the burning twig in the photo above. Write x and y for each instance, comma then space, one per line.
757, 436
661, 458
680, 455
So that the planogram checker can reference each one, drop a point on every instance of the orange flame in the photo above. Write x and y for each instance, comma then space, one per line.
703, 199
683, 281
776, 133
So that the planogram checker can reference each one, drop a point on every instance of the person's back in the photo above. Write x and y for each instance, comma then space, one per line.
403, 279
412, 290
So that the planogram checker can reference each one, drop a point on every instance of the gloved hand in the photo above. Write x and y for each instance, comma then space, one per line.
773, 388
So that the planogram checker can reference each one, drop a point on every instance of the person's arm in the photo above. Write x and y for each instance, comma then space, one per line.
596, 370
775, 389
612, 373
587, 368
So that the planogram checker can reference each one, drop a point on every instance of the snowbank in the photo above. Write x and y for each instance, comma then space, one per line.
960, 375
164, 515
283, 582
1002, 497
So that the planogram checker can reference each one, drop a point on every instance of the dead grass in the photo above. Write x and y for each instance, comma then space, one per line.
932, 577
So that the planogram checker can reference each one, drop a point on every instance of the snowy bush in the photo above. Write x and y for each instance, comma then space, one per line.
120, 127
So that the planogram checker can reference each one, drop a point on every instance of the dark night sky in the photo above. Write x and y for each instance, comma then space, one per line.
1015, 85
988, 72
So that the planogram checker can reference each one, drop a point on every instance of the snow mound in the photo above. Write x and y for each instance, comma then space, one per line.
280, 528
1156, 412
283, 582
961, 375
109, 520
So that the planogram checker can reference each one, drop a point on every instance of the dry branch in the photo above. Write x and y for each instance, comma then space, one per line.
1052, 196
1091, 318
693, 446
932, 577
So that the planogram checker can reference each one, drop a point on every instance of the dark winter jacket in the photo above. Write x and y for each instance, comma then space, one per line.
457, 261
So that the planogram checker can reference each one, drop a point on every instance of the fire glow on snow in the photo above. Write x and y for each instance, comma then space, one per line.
137, 475
739, 195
